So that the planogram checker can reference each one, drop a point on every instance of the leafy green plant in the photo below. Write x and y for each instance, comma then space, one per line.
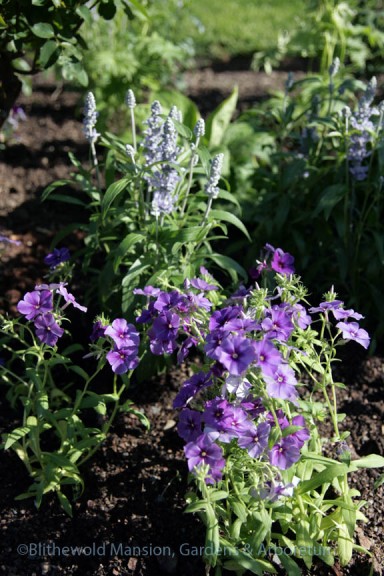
155, 208
309, 174
145, 55
58, 397
36, 34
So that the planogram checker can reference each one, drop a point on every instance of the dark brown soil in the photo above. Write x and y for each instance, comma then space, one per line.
136, 484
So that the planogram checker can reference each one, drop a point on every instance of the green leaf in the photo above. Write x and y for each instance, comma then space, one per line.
329, 198
124, 247
15, 435
49, 53
231, 218
228, 264
68, 199
240, 510
84, 13
218, 495
218, 122
43, 30
290, 565
324, 477
371, 461
113, 191
65, 503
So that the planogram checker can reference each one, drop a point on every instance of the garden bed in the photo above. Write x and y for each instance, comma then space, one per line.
135, 485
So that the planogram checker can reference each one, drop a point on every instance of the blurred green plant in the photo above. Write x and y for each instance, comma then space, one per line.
35, 34
307, 169
144, 54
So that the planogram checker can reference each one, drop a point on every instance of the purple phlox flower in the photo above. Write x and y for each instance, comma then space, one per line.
325, 306
352, 331
147, 291
341, 314
9, 240
197, 301
302, 435
284, 453
147, 314
163, 333
35, 303
236, 354
184, 348
191, 387
281, 383
277, 323
236, 385
122, 359
189, 425
53, 286
282, 262
256, 271
219, 318
123, 334
168, 300
98, 331
47, 330
241, 293
268, 356
201, 284
281, 418
242, 325
236, 423
216, 411
56, 257
274, 490
255, 439
203, 451
70, 299
254, 406
300, 316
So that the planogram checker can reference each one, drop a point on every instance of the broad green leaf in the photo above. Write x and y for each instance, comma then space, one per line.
43, 30
290, 565
218, 495
68, 199
85, 13
49, 53
240, 510
219, 120
231, 218
196, 506
113, 191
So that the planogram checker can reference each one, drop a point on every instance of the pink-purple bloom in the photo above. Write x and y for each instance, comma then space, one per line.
255, 439
56, 257
282, 262
123, 334
123, 359
70, 299
47, 330
284, 453
236, 354
352, 331
35, 303
203, 451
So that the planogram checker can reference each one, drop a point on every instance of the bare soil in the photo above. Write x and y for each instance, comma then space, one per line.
136, 484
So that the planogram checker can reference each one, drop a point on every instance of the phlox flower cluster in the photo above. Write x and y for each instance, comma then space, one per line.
239, 397
274, 259
39, 305
125, 344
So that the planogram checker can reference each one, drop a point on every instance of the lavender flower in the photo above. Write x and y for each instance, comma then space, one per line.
236, 354
255, 440
90, 119
199, 129
130, 99
282, 262
189, 425
281, 383
211, 188
98, 331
